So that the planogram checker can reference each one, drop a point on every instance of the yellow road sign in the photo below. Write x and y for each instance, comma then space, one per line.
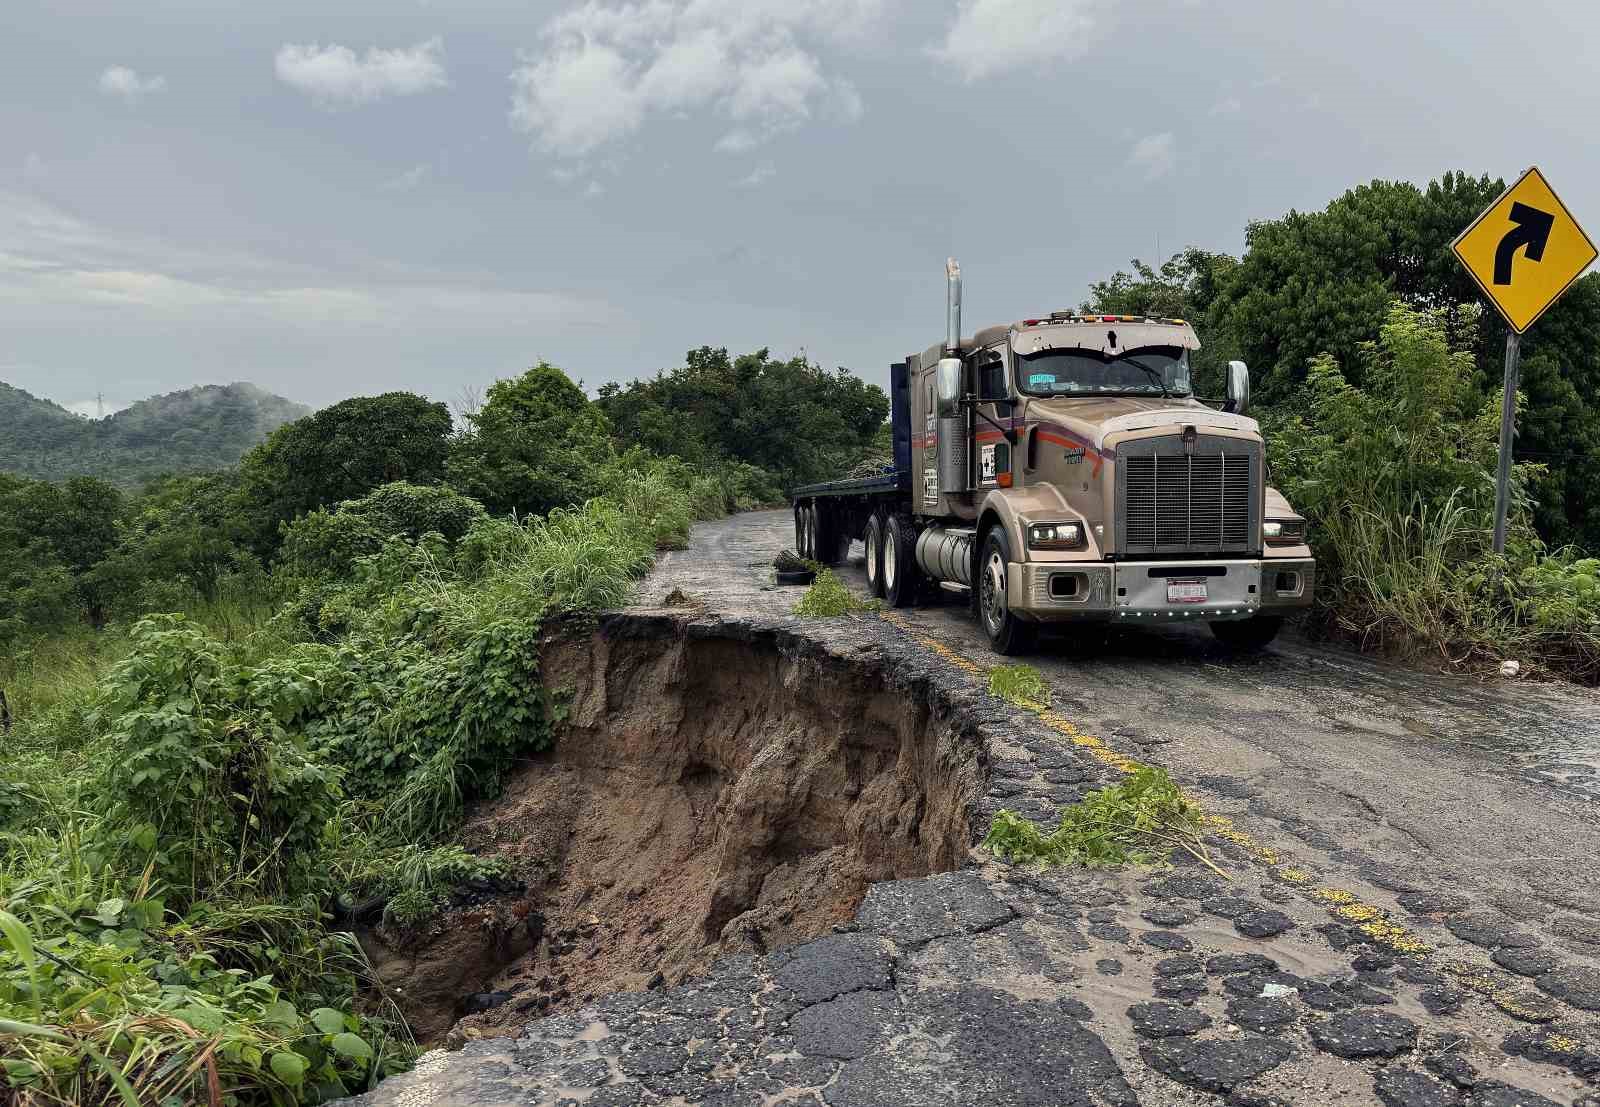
1525, 250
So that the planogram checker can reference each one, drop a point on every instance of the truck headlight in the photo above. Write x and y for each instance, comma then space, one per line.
1055, 536
1284, 532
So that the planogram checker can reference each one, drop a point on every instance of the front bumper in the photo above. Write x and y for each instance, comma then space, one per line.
1144, 590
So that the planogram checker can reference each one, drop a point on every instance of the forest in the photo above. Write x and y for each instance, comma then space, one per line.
240, 701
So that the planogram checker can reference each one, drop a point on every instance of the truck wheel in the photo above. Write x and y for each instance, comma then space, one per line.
1008, 634
901, 577
872, 539
830, 524
1248, 635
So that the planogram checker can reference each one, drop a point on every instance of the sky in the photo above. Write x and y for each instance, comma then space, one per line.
340, 197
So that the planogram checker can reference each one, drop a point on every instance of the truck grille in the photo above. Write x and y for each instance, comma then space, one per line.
1177, 501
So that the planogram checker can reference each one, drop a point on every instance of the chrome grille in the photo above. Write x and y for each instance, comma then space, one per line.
1181, 501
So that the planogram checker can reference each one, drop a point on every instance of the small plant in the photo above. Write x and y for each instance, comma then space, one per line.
1140, 819
1021, 684
828, 598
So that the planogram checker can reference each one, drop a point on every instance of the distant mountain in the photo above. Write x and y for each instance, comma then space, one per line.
209, 427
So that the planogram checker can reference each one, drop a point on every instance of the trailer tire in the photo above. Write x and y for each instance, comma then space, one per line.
902, 580
1008, 635
832, 543
872, 540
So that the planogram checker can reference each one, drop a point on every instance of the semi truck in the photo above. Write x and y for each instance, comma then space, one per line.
1060, 469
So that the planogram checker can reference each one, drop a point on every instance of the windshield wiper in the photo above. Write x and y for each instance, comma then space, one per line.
1155, 374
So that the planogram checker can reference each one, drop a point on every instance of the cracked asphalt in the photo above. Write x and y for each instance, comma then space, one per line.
1407, 912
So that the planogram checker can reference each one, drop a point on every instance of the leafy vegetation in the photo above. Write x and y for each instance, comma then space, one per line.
1021, 684
828, 598
203, 428
216, 751
792, 421
1141, 819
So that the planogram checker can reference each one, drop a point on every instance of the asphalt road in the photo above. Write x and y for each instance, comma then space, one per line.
1404, 908
1496, 783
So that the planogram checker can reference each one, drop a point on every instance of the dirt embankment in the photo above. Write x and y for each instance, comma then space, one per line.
712, 792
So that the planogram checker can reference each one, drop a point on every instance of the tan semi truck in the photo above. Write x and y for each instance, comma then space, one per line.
1060, 468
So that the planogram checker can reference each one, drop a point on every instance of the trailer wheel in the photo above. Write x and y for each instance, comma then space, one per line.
831, 541
808, 532
1008, 634
902, 580
872, 539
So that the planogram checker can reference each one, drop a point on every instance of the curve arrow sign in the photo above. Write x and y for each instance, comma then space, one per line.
1529, 233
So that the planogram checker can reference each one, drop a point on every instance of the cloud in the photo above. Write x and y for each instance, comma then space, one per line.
992, 36
336, 75
760, 175
411, 178
605, 69
33, 166
1228, 105
1154, 155
120, 81
57, 270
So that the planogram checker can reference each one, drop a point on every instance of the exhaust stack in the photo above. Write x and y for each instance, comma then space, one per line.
952, 276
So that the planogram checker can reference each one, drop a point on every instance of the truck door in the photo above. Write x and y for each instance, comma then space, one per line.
991, 451
926, 495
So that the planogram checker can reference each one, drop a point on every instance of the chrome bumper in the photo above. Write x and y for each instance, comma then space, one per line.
1138, 590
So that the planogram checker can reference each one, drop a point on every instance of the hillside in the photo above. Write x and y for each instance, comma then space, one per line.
209, 427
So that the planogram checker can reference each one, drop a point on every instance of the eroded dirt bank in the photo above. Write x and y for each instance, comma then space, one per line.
715, 790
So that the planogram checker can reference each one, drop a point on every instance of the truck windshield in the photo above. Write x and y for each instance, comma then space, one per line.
1156, 370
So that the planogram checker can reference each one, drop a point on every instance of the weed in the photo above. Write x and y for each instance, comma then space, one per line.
828, 598
1140, 819
1021, 684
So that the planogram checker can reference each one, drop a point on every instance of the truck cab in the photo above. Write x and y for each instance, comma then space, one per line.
1060, 468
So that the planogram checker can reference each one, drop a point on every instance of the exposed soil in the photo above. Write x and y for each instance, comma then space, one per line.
710, 794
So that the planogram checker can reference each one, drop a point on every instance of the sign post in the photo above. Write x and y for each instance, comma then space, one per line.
1508, 429
1531, 221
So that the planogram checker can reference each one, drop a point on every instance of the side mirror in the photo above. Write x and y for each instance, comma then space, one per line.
1238, 400
947, 387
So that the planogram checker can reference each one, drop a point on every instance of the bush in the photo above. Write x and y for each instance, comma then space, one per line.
203, 781
828, 598
1140, 819
326, 543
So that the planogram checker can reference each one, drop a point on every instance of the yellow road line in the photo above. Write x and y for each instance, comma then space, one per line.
1371, 921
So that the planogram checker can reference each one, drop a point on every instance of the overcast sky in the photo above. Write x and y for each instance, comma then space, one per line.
337, 197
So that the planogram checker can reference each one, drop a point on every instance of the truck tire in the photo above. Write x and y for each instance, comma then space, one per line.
831, 541
872, 539
1248, 635
902, 580
1008, 635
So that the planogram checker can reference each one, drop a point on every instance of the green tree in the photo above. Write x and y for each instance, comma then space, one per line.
1321, 282
1187, 286
183, 536
340, 453
537, 443
71, 526
326, 543
793, 419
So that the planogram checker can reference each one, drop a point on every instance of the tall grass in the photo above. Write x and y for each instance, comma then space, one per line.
175, 927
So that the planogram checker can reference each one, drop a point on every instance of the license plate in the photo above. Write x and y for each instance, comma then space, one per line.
1186, 591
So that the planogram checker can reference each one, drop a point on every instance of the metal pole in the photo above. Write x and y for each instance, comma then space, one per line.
1508, 428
